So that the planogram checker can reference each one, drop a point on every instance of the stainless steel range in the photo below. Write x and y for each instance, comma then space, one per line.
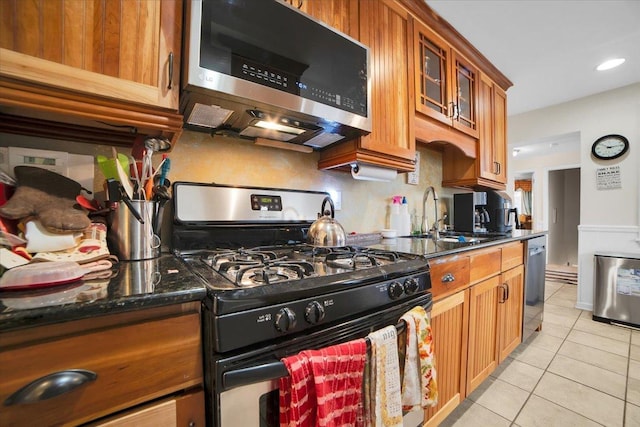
270, 295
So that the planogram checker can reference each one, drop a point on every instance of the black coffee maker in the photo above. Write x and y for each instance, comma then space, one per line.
500, 211
470, 212
483, 212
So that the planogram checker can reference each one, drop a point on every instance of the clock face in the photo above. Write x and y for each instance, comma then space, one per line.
610, 147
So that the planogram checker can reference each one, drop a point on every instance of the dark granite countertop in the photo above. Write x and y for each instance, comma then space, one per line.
431, 249
166, 280
134, 285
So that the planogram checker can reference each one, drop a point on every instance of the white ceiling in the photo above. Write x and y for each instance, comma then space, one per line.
549, 48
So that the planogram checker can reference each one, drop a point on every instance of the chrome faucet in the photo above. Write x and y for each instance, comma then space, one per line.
435, 232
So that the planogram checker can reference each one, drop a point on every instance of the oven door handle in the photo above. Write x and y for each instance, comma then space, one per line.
254, 374
270, 371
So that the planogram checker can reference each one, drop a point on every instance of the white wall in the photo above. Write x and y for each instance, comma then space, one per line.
609, 219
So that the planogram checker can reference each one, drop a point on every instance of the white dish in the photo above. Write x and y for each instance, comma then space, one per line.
388, 233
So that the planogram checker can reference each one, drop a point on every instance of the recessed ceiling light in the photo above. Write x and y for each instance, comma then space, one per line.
612, 63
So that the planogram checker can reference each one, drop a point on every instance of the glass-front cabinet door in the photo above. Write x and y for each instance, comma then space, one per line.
446, 84
433, 86
465, 96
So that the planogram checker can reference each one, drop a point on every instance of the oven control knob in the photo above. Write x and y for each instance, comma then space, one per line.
395, 290
285, 320
314, 312
411, 286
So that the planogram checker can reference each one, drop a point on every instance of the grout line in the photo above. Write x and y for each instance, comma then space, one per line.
555, 353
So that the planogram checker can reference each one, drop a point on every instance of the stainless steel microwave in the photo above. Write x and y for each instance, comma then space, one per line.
263, 69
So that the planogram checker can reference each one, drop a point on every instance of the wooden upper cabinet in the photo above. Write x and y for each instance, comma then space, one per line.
339, 14
446, 84
91, 62
489, 168
492, 161
391, 143
114, 49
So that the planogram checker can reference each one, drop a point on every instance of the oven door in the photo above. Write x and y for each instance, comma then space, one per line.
246, 392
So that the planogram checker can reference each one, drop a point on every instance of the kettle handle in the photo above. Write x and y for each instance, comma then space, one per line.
328, 199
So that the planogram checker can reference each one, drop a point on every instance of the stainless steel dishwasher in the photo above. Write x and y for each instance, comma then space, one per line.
617, 288
534, 264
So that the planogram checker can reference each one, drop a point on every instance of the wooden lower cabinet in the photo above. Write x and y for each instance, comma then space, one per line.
180, 411
510, 312
83, 371
495, 323
483, 331
449, 323
476, 326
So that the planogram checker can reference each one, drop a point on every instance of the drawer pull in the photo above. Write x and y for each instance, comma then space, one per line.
448, 278
170, 70
51, 385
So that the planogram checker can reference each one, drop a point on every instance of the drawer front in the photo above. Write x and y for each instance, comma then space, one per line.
512, 255
133, 364
485, 263
449, 275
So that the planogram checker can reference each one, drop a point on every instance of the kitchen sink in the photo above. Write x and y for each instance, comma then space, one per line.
450, 237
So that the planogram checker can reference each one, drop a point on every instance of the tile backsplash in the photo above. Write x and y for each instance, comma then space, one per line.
198, 157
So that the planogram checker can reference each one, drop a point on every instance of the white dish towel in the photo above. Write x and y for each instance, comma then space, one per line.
383, 403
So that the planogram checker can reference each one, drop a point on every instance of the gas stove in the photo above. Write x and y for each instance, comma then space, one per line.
248, 246
269, 265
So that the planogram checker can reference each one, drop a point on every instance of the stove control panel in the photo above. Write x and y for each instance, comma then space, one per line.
266, 323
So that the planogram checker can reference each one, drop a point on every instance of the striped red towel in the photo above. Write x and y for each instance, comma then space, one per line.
333, 385
297, 394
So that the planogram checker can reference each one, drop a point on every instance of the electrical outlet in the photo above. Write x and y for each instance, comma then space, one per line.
413, 177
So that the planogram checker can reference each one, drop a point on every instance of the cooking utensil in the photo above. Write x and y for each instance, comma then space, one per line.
138, 187
326, 231
123, 177
162, 196
86, 203
165, 167
108, 166
116, 193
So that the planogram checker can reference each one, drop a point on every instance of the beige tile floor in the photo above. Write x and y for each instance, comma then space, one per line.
575, 372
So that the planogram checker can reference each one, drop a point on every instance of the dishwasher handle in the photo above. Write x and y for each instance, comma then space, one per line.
536, 251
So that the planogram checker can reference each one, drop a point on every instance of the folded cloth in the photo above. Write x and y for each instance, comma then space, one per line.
92, 246
297, 393
383, 405
337, 375
419, 386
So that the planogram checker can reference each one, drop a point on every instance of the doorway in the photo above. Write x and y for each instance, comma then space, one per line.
523, 199
564, 216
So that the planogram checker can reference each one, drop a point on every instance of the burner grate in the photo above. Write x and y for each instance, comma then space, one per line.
273, 272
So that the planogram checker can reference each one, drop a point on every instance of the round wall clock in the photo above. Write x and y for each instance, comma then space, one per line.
609, 147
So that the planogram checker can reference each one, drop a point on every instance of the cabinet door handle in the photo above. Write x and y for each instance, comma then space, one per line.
506, 291
170, 70
51, 385
503, 296
447, 278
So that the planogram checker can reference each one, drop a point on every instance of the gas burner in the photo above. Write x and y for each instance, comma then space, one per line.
239, 256
356, 258
272, 272
351, 260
